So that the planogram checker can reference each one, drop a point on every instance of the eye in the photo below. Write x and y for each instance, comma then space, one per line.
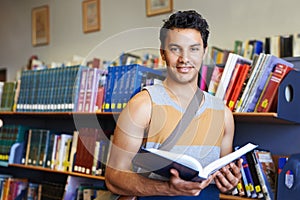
195, 49
175, 49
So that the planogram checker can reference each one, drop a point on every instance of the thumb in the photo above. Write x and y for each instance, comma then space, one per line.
174, 172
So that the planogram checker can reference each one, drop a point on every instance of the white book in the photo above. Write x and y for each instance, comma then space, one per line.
160, 162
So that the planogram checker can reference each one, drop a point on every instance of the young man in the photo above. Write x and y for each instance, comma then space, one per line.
159, 108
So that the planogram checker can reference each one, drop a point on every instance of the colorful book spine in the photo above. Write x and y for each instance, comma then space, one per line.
133, 78
215, 80
250, 187
252, 167
259, 84
233, 82
238, 88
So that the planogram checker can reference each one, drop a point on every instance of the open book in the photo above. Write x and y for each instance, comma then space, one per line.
160, 162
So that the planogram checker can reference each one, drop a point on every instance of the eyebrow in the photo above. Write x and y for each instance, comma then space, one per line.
193, 45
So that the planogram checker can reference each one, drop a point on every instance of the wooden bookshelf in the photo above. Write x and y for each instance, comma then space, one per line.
67, 121
43, 169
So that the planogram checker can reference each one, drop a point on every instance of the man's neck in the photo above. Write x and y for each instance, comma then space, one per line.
183, 93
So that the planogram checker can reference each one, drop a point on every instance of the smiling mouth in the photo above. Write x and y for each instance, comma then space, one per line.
184, 69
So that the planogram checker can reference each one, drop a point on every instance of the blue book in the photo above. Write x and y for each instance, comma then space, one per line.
109, 89
248, 177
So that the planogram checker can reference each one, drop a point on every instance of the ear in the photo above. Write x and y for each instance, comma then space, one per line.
162, 54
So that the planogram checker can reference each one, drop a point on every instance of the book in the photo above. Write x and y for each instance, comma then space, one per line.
249, 184
233, 81
286, 45
73, 150
254, 173
232, 60
123, 82
265, 184
11, 138
160, 162
8, 96
243, 181
255, 66
82, 88
296, 45
85, 150
238, 87
261, 78
215, 79
270, 92
268, 167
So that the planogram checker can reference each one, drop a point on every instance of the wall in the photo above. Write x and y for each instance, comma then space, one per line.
126, 20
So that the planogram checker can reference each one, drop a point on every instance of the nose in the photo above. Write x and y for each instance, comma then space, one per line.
183, 57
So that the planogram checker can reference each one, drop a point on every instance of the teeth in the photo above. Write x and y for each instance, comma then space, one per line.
184, 69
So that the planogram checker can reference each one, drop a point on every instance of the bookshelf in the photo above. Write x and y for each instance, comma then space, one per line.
250, 127
58, 122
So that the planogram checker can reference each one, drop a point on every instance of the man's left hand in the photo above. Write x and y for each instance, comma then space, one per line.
227, 178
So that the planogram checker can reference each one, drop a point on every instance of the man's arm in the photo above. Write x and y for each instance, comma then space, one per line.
228, 177
128, 138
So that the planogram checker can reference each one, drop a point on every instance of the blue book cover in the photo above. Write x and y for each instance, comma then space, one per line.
249, 177
109, 89
73, 87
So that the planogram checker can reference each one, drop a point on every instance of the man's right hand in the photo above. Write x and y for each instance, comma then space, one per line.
181, 187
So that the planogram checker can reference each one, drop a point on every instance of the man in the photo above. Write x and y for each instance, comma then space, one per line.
159, 108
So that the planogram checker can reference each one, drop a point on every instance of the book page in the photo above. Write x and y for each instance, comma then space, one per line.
180, 158
217, 164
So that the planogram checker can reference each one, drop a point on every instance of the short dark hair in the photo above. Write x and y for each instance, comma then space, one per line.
185, 19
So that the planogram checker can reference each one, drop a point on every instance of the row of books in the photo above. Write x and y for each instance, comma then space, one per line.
79, 188
76, 88
247, 85
125, 81
84, 151
9, 136
21, 188
52, 89
281, 46
258, 176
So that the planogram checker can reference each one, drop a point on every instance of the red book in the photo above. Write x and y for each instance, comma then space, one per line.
85, 150
238, 86
269, 94
232, 84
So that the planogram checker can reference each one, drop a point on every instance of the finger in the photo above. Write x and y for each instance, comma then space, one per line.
227, 181
235, 170
175, 173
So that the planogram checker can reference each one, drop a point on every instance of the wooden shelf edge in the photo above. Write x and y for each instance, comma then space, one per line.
258, 117
231, 197
56, 171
